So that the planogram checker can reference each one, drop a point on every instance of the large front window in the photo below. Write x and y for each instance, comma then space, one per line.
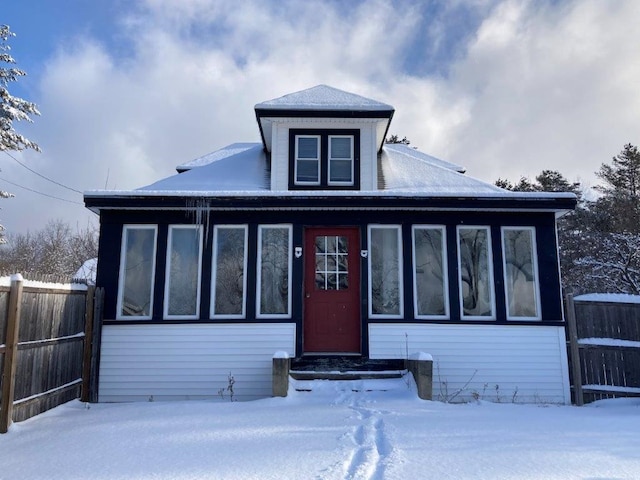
184, 257
521, 273
228, 290
137, 271
385, 271
475, 273
274, 271
430, 285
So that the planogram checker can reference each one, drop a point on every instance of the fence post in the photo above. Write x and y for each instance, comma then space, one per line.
574, 350
88, 342
95, 344
11, 345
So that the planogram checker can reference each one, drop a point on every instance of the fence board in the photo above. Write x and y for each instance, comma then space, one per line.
50, 349
612, 366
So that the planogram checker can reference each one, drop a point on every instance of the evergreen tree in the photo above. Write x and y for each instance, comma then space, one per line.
11, 108
619, 207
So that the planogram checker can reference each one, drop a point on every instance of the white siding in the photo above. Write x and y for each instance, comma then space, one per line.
280, 148
179, 362
531, 360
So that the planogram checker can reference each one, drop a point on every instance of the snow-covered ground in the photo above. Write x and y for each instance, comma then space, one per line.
330, 433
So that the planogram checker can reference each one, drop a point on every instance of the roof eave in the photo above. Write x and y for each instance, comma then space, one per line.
353, 202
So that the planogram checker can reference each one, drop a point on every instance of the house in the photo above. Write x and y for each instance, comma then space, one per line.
323, 240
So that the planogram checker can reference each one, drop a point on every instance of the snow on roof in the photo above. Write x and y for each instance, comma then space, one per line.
406, 150
232, 168
228, 151
241, 169
410, 171
323, 97
88, 271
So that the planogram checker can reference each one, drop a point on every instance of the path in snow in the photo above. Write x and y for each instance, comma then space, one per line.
366, 446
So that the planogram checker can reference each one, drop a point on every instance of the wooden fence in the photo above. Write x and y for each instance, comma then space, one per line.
46, 357
604, 348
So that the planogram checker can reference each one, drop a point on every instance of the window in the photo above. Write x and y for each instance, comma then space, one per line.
324, 159
182, 285
229, 285
332, 262
385, 271
274, 271
307, 163
521, 273
137, 271
475, 273
340, 160
430, 283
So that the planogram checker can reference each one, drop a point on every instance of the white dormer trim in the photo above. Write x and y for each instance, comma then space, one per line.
369, 140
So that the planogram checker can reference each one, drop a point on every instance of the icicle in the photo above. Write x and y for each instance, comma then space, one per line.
198, 211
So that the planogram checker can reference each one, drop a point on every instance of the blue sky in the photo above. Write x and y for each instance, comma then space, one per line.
129, 89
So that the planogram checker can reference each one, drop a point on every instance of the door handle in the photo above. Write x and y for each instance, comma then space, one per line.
308, 295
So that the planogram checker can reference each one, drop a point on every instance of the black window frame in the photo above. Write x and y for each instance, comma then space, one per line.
324, 135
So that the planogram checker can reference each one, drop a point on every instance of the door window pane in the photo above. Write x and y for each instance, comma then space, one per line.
385, 271
274, 267
520, 272
332, 262
229, 267
429, 270
475, 272
184, 254
137, 269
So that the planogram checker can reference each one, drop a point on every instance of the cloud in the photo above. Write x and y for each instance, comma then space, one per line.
548, 87
527, 85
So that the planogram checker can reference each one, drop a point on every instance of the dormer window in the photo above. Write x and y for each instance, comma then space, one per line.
324, 159
307, 163
341, 160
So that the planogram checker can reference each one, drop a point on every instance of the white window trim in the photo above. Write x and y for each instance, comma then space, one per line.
351, 158
167, 281
289, 227
398, 229
214, 272
534, 254
445, 273
492, 286
296, 158
123, 251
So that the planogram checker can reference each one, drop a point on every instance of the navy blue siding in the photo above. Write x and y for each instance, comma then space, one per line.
111, 237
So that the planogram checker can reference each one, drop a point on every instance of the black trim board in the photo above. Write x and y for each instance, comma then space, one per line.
335, 202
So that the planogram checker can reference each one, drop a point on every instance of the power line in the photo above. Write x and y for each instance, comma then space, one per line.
42, 176
40, 193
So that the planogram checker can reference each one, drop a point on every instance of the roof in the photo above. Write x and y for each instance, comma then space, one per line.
415, 179
237, 167
323, 101
323, 97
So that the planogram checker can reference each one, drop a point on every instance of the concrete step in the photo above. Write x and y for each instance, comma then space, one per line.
352, 385
346, 375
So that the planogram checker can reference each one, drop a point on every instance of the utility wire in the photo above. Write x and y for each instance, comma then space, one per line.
40, 193
42, 176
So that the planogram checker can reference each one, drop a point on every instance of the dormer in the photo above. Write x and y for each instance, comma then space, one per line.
323, 138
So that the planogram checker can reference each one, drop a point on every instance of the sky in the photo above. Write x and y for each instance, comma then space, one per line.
128, 89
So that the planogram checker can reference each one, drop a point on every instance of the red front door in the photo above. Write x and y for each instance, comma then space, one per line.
331, 290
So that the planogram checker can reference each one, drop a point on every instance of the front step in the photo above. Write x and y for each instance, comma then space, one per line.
345, 368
